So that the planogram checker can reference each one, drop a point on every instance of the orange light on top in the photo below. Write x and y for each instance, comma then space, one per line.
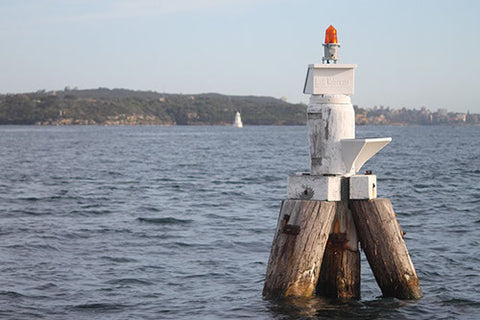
331, 35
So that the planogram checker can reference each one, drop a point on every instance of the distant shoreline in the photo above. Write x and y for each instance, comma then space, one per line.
127, 107
230, 125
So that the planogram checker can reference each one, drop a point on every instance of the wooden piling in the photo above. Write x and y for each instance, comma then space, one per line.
382, 240
298, 246
340, 272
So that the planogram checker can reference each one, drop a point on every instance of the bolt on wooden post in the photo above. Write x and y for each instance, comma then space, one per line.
330, 209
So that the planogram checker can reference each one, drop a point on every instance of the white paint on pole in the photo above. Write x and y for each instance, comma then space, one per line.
308, 187
330, 119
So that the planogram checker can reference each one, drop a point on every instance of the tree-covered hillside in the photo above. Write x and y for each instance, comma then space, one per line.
119, 106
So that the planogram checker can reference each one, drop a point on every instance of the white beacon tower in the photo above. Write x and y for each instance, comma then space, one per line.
334, 151
330, 209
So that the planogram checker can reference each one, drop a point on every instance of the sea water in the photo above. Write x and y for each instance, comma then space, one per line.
152, 222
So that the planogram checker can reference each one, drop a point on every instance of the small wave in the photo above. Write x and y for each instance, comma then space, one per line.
461, 302
11, 294
167, 220
100, 306
61, 195
119, 259
33, 247
32, 212
44, 247
88, 212
46, 286
31, 199
126, 281
234, 193
114, 173
476, 199
422, 186
183, 244
233, 182
152, 209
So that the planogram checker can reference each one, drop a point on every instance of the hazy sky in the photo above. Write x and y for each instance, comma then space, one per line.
409, 53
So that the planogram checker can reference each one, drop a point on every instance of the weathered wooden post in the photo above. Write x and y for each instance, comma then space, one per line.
298, 247
382, 240
340, 272
315, 248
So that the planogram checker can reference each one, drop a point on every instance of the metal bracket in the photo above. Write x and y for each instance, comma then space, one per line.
291, 229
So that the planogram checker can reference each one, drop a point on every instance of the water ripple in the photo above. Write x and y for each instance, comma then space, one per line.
167, 220
177, 222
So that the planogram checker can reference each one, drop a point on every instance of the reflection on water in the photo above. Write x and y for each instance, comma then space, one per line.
321, 308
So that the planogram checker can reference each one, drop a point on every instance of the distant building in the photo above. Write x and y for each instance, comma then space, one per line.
442, 112
459, 117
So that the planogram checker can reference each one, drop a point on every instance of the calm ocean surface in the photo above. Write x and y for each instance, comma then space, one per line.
155, 222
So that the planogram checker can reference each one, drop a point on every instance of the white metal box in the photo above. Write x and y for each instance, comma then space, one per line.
363, 186
308, 187
330, 79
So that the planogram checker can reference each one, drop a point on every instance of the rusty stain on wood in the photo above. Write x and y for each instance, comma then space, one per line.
315, 250
340, 272
295, 261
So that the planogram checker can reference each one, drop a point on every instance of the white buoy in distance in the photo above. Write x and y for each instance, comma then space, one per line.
238, 121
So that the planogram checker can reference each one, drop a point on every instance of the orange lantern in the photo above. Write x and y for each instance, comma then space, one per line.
331, 35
